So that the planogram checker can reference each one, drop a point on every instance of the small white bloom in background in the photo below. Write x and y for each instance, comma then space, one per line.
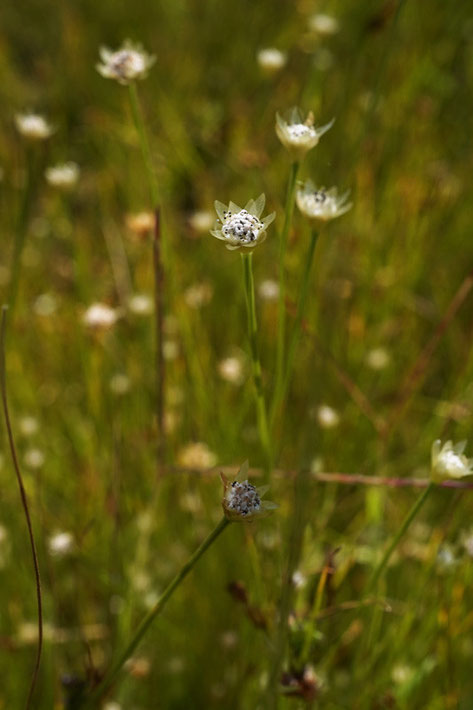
60, 544
33, 126
242, 501
170, 350
28, 426
63, 176
446, 558
140, 304
34, 458
100, 316
126, 64
198, 294
45, 305
138, 667
321, 204
196, 455
299, 135
325, 25
271, 60
327, 417
112, 705
231, 370
140, 223
378, 359
202, 221
242, 228
299, 580
120, 383
448, 461
402, 674
268, 290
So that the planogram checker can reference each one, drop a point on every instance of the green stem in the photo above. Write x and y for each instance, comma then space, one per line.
312, 623
153, 613
144, 143
262, 417
290, 196
21, 231
296, 333
396, 539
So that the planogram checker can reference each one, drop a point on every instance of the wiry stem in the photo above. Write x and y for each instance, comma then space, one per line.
291, 188
144, 143
24, 502
262, 417
146, 622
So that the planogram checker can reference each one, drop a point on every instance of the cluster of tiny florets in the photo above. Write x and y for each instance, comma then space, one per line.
242, 226
127, 62
300, 131
243, 498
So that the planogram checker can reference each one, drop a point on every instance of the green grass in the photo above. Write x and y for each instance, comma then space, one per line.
384, 275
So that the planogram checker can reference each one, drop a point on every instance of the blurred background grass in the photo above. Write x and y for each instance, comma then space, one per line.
397, 77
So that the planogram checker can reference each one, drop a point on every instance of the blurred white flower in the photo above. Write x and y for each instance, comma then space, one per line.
324, 24
60, 544
45, 305
271, 60
299, 580
241, 227
140, 223
231, 369
446, 558
378, 358
196, 455
33, 126
327, 417
202, 221
34, 458
28, 426
198, 294
448, 461
112, 705
141, 304
297, 135
126, 64
321, 204
63, 176
268, 290
100, 316
120, 383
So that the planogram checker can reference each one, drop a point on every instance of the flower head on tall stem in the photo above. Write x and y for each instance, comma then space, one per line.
241, 228
126, 64
321, 205
242, 501
299, 135
448, 461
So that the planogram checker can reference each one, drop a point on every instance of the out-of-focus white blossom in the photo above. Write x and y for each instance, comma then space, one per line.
202, 221
140, 304
198, 294
126, 64
378, 358
28, 426
231, 369
271, 60
60, 544
33, 126
327, 417
45, 305
63, 176
120, 383
140, 223
268, 290
320, 204
34, 458
322, 24
197, 455
448, 461
99, 316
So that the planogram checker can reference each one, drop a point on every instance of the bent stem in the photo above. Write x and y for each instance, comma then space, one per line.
396, 539
262, 416
24, 502
153, 613
290, 195
296, 333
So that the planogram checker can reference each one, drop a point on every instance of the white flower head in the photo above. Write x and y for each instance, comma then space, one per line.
140, 304
321, 204
327, 417
324, 24
299, 135
33, 126
242, 228
63, 176
448, 461
242, 501
126, 64
60, 543
271, 60
100, 316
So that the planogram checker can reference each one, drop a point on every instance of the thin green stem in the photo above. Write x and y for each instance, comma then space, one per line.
290, 196
297, 329
144, 143
396, 539
112, 674
262, 417
312, 623
21, 231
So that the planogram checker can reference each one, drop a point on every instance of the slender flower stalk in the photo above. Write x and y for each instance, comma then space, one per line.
262, 417
144, 143
289, 210
297, 329
21, 228
144, 625
398, 536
